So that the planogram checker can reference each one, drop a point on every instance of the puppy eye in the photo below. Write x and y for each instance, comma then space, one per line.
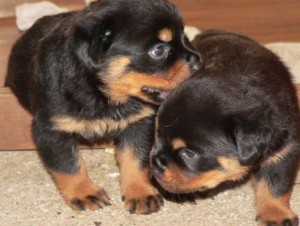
106, 40
107, 36
159, 51
188, 154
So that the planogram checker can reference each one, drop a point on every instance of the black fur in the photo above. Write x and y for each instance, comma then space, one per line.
56, 69
241, 105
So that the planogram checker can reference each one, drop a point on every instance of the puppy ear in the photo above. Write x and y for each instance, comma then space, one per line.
253, 137
91, 39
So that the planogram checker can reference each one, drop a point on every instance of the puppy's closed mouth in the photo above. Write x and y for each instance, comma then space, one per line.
158, 95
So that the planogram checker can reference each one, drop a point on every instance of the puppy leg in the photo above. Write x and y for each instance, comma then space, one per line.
59, 153
273, 186
139, 194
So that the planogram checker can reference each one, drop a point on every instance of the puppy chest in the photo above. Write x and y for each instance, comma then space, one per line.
98, 127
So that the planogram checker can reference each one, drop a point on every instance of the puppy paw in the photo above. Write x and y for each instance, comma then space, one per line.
81, 194
88, 199
79, 191
278, 222
143, 205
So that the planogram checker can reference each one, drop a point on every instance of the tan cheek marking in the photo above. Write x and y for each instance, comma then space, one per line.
122, 86
178, 73
174, 175
165, 35
178, 180
232, 171
97, 126
174, 179
207, 180
269, 207
178, 143
117, 67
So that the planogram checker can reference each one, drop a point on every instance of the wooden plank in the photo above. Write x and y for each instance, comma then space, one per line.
8, 35
266, 21
14, 124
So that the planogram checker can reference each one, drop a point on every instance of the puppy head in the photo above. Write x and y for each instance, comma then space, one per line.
195, 145
136, 50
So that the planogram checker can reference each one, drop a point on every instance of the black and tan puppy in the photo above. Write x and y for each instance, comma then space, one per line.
95, 74
237, 117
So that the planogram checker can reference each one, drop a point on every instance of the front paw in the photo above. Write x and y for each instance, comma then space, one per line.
278, 222
145, 204
88, 199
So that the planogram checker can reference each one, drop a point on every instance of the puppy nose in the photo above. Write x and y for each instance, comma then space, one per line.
160, 163
194, 62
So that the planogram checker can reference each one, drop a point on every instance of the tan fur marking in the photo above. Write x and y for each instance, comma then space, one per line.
178, 143
97, 126
118, 66
71, 184
278, 156
135, 184
270, 208
178, 181
134, 181
120, 85
165, 35
233, 171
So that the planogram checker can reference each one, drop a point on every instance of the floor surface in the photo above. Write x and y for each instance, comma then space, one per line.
29, 198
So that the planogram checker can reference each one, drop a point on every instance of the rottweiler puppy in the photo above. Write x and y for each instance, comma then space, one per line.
96, 74
238, 116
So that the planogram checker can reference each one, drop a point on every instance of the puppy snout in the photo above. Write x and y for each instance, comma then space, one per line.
159, 163
193, 61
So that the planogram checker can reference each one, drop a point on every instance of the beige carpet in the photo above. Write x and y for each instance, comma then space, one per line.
28, 198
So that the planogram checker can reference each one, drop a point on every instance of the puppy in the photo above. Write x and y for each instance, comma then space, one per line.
238, 116
97, 74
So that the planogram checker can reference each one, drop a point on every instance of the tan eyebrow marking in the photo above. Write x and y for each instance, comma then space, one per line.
165, 35
178, 143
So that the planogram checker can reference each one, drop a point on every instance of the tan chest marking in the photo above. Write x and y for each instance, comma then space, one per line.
100, 127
